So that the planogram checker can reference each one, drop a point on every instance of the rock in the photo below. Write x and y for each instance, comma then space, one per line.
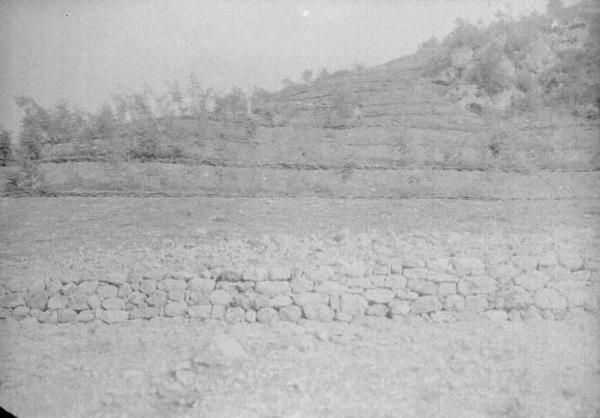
359, 282
425, 304
399, 307
67, 315
570, 259
148, 312
403, 294
396, 266
379, 295
532, 280
37, 300
476, 285
115, 278
235, 315
125, 291
266, 315
525, 262
221, 350
422, 287
86, 316
412, 263
440, 265
442, 316
514, 316
21, 312
454, 303
58, 301
272, 289
351, 269
302, 285
592, 264
331, 288
12, 300
48, 317
475, 303
113, 304
310, 298
87, 288
148, 286
200, 311
446, 289
174, 285
69, 289
503, 271
416, 273
256, 274
250, 316
377, 310
531, 314
107, 291
94, 301
580, 276
353, 305
218, 312
290, 313
319, 312
158, 298
380, 270
516, 297
229, 276
280, 301
549, 299
174, 309
53, 287
547, 260
558, 273
280, 273
220, 297
201, 285
177, 295
78, 302
469, 265
395, 282
438, 277
496, 315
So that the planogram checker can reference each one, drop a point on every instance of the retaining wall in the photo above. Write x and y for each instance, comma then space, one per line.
548, 285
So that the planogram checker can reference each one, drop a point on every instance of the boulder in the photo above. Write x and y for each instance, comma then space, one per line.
353, 305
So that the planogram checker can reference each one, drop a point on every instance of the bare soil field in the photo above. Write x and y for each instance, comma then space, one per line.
371, 367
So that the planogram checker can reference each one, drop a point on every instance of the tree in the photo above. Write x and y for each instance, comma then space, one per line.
35, 125
5, 147
307, 76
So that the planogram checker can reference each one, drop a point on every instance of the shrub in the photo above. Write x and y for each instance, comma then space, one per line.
25, 179
5, 148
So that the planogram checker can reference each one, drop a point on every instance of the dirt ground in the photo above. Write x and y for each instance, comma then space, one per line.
374, 368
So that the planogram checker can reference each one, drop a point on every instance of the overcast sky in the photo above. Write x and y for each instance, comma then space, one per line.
83, 50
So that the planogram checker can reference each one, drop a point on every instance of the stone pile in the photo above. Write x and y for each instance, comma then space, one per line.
443, 289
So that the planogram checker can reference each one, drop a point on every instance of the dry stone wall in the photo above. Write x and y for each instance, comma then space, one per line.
550, 285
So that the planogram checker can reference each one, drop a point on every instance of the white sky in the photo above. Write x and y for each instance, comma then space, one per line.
83, 50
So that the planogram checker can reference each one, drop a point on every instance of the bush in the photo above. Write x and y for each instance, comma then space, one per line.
25, 179
5, 148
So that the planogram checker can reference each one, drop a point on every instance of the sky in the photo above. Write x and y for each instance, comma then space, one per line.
84, 51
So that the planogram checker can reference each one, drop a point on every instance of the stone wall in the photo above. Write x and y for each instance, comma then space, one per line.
500, 287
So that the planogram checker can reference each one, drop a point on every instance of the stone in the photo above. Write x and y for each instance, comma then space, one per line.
67, 315
94, 301
516, 297
319, 312
251, 316
412, 263
475, 303
280, 273
173, 309
352, 269
200, 311
360, 282
201, 285
591, 264
549, 299
113, 304
220, 297
53, 287
229, 276
441, 265
395, 282
476, 285
290, 313
218, 312
525, 262
310, 298
380, 270
174, 285
69, 289
442, 316
177, 295
340, 316
157, 298
438, 277
547, 260
256, 274
470, 265
446, 289
301, 285
107, 291
87, 288
113, 316
416, 273
531, 314
197, 297
125, 291
148, 286
21, 312
399, 307
496, 315
379, 295
353, 305
280, 301
266, 315
78, 302
570, 259
147, 312
396, 266
377, 310
86, 316
454, 303
12, 300
38, 300
503, 271
58, 301
221, 350
532, 280
403, 294
331, 288
425, 304
580, 276
514, 316
558, 273
422, 287
235, 315
115, 278
272, 288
